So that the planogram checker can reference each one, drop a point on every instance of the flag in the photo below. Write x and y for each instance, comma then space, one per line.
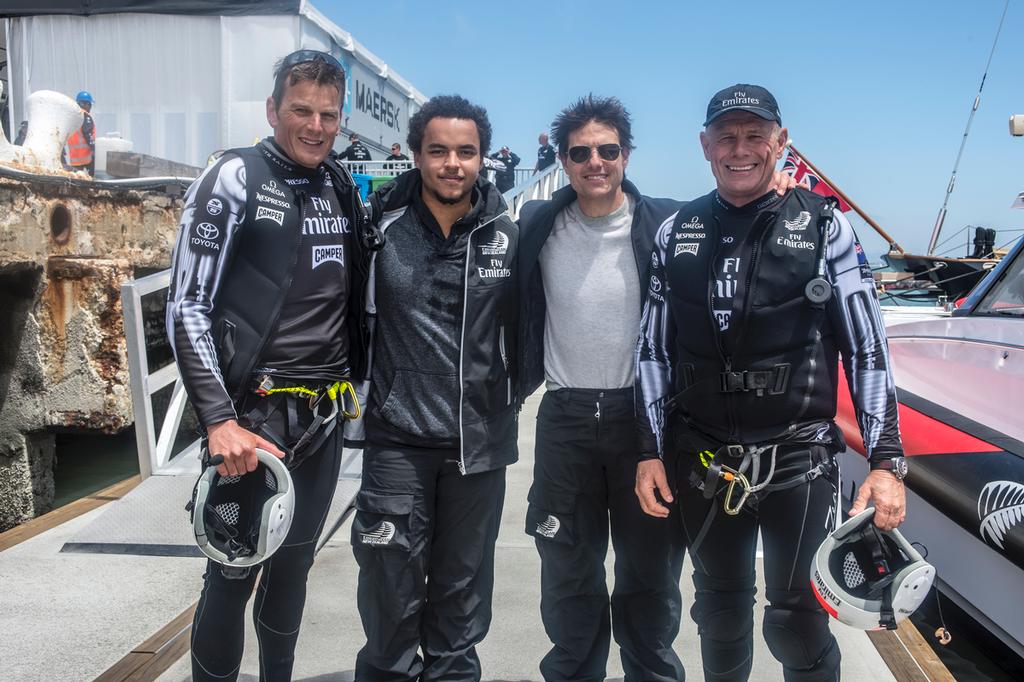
1018, 202
801, 172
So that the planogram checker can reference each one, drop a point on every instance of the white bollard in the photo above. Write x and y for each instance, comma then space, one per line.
52, 117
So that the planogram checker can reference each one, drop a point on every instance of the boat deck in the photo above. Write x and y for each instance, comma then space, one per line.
79, 615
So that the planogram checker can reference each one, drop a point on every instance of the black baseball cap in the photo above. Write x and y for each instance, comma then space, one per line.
744, 97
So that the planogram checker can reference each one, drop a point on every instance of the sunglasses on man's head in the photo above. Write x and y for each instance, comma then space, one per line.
301, 56
581, 154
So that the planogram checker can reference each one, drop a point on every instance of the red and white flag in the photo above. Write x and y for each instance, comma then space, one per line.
801, 172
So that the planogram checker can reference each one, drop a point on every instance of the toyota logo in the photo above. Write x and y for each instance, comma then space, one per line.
207, 230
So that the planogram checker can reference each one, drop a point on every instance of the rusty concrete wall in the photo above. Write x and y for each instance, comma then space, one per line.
64, 253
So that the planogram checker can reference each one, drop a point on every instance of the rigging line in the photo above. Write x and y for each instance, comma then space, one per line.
967, 130
965, 228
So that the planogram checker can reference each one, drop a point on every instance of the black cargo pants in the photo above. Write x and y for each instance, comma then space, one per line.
423, 537
584, 477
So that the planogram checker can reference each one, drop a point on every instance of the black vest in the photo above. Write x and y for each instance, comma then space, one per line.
261, 270
782, 370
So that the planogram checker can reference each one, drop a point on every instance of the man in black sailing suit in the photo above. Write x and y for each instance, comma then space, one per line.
269, 264
751, 299
441, 418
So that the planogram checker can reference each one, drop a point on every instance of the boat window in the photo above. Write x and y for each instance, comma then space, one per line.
1006, 298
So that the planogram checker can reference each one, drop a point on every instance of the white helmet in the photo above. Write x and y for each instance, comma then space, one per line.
869, 578
242, 520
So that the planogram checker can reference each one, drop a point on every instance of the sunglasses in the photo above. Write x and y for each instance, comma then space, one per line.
581, 154
301, 56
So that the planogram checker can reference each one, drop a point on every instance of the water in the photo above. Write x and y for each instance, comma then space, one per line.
90, 462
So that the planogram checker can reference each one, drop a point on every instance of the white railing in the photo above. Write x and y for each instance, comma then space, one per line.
537, 186
155, 447
378, 168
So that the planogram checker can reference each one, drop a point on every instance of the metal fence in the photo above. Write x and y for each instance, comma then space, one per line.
385, 169
155, 447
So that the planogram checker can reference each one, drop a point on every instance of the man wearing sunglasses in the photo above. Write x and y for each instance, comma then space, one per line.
751, 299
441, 417
262, 315
583, 260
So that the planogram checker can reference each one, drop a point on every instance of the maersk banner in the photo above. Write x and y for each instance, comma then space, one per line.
374, 108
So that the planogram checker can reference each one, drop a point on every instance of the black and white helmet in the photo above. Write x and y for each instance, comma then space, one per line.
869, 578
242, 520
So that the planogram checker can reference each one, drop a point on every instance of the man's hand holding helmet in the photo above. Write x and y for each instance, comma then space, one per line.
238, 447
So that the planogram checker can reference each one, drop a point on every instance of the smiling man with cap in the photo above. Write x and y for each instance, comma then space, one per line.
752, 297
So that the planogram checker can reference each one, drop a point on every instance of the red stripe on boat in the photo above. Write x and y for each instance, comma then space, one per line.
922, 435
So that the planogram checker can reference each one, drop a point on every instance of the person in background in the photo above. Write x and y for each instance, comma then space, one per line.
505, 178
355, 151
545, 155
81, 152
396, 155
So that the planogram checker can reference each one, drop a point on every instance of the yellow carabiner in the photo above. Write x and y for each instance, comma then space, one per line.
346, 387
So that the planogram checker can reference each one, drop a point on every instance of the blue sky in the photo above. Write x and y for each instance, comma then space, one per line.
876, 94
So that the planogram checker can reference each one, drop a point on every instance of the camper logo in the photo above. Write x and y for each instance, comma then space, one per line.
264, 213
686, 248
1000, 508
549, 527
382, 535
323, 254
214, 207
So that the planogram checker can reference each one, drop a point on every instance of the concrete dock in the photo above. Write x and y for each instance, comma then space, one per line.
74, 615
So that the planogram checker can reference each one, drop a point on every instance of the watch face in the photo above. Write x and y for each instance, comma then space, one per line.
899, 467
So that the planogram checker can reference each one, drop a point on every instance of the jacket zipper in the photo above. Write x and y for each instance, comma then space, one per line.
715, 326
462, 340
504, 362
759, 233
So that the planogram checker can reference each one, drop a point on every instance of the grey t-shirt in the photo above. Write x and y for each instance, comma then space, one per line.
593, 299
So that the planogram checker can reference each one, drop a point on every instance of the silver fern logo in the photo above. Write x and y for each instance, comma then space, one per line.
1000, 508
382, 535
549, 527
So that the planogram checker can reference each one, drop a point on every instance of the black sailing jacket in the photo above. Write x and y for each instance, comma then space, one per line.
487, 415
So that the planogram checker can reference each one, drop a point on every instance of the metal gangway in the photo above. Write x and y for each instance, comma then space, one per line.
156, 445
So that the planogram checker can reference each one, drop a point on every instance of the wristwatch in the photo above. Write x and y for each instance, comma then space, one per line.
896, 465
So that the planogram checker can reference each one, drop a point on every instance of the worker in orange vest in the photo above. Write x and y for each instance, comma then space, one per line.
82, 142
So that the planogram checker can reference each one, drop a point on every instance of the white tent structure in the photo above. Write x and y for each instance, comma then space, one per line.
183, 79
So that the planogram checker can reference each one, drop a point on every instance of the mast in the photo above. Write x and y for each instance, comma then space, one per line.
970, 119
